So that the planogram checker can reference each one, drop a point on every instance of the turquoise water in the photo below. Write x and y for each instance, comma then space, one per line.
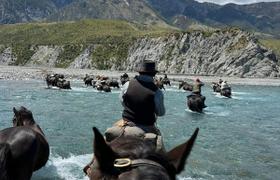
239, 138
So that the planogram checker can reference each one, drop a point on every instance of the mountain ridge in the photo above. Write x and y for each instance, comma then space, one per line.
261, 17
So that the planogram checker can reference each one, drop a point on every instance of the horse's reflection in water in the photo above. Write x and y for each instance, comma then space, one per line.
23, 148
133, 158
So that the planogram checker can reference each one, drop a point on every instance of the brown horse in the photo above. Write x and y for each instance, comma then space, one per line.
166, 81
23, 148
186, 86
124, 78
196, 102
216, 87
133, 158
226, 92
113, 83
88, 80
58, 81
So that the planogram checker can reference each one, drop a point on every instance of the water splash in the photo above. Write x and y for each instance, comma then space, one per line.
69, 168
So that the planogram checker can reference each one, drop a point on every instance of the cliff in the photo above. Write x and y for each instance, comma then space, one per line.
229, 52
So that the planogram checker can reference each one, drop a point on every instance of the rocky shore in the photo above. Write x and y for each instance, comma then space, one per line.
39, 73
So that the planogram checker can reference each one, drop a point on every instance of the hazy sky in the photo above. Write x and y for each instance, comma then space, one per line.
236, 1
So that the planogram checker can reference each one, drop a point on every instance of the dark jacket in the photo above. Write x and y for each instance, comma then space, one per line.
138, 102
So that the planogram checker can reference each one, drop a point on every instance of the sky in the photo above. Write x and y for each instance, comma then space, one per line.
236, 1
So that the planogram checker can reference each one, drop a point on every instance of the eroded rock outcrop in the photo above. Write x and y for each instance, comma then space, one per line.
222, 52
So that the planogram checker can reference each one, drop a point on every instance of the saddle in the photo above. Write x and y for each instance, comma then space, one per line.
130, 129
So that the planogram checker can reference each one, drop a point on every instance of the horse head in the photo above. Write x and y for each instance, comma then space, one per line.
22, 116
182, 84
135, 158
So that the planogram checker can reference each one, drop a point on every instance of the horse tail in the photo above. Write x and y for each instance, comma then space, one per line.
5, 154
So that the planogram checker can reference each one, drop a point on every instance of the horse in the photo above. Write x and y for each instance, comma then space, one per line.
216, 87
124, 78
186, 86
166, 81
88, 80
196, 102
63, 84
51, 80
113, 83
226, 92
134, 158
23, 147
103, 87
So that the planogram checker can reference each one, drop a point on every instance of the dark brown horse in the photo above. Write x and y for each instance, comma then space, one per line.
166, 81
124, 78
186, 86
23, 148
133, 158
88, 80
216, 87
58, 81
103, 87
226, 92
113, 83
63, 84
196, 102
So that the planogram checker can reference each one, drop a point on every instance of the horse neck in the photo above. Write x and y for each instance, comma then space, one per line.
33, 125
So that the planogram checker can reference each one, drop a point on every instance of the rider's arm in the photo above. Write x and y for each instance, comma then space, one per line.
159, 103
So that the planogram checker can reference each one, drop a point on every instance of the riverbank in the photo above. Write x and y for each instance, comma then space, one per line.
39, 73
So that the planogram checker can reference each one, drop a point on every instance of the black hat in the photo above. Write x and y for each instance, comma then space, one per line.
147, 66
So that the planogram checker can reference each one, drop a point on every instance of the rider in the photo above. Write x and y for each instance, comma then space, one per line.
143, 101
197, 87
125, 75
224, 85
220, 82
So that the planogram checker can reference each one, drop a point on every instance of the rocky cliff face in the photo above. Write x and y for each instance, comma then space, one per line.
233, 53
222, 52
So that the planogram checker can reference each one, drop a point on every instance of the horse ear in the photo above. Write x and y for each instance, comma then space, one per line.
15, 111
178, 155
103, 153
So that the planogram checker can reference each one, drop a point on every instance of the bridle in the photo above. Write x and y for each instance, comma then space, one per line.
128, 163
122, 165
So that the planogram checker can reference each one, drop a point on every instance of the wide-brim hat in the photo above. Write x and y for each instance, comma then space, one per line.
147, 66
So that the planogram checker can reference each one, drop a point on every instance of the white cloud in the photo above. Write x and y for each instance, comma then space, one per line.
236, 1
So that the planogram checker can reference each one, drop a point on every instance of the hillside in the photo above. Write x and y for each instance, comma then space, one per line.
262, 17
130, 10
119, 45
66, 40
18, 11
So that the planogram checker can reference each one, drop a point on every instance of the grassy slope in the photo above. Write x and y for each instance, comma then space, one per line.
86, 31
273, 44
112, 38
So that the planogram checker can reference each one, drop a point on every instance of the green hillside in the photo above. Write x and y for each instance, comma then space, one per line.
111, 39
81, 32
273, 44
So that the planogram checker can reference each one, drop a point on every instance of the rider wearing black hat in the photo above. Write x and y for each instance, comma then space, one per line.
141, 98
